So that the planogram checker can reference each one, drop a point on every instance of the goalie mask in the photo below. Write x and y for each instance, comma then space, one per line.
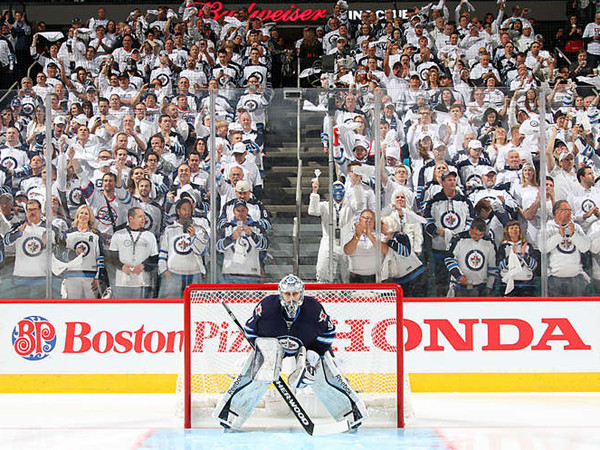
291, 295
338, 191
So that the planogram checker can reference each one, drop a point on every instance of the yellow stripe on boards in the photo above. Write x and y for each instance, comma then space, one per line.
89, 384
505, 382
420, 382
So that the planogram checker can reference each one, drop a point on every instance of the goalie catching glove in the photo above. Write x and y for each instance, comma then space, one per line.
307, 364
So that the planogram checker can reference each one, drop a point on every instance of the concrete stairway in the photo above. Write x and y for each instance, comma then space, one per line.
281, 174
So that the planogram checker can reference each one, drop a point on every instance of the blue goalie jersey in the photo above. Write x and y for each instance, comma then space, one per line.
311, 328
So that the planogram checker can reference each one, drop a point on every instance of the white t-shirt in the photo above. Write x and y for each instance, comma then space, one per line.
590, 31
134, 247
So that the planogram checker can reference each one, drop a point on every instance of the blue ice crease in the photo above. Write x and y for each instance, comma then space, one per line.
371, 439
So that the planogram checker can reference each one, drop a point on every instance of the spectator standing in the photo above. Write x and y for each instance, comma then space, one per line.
134, 252
566, 243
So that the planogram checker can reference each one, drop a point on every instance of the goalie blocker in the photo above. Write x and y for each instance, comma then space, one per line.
290, 324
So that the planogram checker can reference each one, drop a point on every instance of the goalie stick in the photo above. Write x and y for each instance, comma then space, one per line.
314, 429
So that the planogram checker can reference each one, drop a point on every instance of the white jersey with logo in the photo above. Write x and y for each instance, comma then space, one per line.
181, 253
88, 244
119, 205
564, 252
474, 259
12, 157
30, 255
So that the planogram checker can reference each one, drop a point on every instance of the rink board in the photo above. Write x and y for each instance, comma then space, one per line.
451, 345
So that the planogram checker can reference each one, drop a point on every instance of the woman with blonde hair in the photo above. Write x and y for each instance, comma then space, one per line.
83, 279
516, 262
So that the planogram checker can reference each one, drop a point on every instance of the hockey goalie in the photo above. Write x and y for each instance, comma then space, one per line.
290, 324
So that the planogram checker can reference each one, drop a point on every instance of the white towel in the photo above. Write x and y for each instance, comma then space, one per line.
514, 270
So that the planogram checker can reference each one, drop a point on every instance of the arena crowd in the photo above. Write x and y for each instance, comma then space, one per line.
462, 132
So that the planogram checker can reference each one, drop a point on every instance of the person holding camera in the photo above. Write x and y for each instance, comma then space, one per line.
566, 244
241, 240
182, 245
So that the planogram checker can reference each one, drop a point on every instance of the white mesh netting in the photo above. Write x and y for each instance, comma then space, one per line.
365, 346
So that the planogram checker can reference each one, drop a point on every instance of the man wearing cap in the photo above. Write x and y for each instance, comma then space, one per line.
498, 194
128, 94
448, 213
538, 56
241, 240
565, 180
240, 156
256, 208
474, 166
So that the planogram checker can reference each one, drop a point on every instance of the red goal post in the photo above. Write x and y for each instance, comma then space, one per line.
368, 344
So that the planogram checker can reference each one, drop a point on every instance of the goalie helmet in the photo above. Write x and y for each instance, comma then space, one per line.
289, 285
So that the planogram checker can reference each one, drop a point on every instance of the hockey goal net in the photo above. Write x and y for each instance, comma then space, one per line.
368, 320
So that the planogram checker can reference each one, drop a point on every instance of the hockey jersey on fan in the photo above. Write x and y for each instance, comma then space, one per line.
311, 328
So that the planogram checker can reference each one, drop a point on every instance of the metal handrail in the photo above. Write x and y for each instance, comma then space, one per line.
16, 83
296, 233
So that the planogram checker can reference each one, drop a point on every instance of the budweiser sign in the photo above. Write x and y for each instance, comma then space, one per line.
291, 13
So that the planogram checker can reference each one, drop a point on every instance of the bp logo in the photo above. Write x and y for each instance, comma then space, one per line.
475, 260
182, 245
33, 246
450, 220
34, 338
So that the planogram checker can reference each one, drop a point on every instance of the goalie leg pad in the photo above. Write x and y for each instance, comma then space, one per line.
241, 398
267, 359
335, 392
